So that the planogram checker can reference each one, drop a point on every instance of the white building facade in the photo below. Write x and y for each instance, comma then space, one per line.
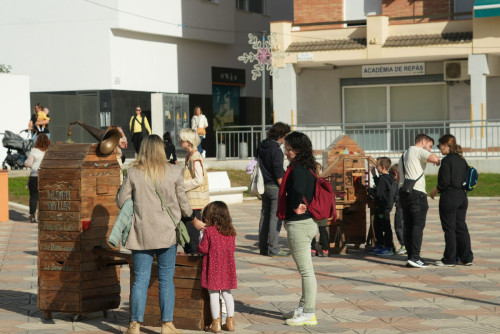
95, 60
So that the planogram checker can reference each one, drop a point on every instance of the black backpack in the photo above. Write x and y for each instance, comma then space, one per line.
471, 177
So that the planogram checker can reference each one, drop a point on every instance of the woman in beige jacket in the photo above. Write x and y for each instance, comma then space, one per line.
153, 231
195, 184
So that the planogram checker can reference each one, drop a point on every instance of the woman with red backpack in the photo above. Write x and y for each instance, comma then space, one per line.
298, 187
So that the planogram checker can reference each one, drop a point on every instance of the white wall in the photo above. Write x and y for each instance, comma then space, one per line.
15, 97
62, 45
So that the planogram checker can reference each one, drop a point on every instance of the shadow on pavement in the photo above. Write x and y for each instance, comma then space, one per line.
18, 217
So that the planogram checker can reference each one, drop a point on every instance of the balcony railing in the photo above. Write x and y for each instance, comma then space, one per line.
477, 138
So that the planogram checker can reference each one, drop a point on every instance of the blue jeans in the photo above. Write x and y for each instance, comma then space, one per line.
200, 149
143, 260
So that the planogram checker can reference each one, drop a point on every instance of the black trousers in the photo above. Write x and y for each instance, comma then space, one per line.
33, 189
194, 234
415, 209
323, 239
399, 224
136, 140
383, 230
453, 206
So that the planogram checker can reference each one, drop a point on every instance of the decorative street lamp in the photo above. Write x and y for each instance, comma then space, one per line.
266, 50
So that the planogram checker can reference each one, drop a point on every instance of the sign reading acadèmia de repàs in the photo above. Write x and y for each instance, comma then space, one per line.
392, 70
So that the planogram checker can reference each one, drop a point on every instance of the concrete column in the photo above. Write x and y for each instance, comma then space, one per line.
478, 69
285, 95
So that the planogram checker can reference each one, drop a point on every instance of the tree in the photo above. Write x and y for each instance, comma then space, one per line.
5, 68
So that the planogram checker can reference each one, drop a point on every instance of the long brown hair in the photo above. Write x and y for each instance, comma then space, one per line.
217, 213
42, 142
152, 158
450, 141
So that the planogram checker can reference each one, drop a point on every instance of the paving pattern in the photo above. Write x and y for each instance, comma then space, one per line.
357, 292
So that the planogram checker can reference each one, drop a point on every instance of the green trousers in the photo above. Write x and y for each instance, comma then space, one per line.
300, 233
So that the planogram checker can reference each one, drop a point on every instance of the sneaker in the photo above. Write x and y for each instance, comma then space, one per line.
293, 313
265, 253
440, 263
313, 252
417, 263
323, 253
468, 263
302, 320
384, 252
401, 251
375, 249
281, 253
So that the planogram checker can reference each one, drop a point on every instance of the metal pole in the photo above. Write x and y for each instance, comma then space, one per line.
263, 92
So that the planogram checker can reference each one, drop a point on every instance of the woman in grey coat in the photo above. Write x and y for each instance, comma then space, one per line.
153, 231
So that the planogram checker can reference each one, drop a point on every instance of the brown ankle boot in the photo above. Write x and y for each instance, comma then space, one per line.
229, 325
134, 328
215, 326
169, 328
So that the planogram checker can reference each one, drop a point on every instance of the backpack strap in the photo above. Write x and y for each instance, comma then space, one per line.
304, 197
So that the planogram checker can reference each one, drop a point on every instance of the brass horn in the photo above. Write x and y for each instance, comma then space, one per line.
108, 139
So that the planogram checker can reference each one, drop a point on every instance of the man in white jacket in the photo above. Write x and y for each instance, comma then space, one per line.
199, 123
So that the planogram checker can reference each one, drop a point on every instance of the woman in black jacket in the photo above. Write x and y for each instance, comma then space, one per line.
453, 204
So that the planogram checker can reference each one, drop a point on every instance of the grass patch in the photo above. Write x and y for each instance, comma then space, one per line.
488, 185
17, 190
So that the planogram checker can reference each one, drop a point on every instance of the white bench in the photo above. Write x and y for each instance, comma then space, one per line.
220, 188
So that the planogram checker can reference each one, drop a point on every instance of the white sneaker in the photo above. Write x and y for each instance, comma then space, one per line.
293, 313
442, 264
302, 320
417, 263
401, 251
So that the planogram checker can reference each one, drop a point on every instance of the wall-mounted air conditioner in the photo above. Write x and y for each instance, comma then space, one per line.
456, 70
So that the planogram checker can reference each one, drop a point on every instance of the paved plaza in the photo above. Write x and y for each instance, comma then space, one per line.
357, 292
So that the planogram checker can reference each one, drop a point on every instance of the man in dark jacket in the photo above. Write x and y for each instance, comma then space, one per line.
271, 160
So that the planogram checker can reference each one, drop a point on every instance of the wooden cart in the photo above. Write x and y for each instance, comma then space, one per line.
347, 169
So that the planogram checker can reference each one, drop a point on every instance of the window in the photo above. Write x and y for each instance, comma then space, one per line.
356, 10
463, 6
254, 6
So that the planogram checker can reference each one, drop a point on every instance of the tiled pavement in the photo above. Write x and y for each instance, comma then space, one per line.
357, 293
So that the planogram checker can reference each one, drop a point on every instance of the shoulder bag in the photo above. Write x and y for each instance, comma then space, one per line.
408, 184
180, 229
256, 181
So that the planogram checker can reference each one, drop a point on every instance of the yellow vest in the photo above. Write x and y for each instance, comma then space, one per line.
198, 197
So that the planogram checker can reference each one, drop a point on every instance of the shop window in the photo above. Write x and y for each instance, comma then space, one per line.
254, 6
463, 6
356, 11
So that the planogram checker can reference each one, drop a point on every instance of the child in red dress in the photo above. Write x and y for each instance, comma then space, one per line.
219, 268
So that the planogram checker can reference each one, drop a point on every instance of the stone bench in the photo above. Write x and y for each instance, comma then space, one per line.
220, 188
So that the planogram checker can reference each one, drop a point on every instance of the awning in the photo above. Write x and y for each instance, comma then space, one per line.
486, 8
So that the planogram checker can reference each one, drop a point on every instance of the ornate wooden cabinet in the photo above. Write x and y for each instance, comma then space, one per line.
347, 169
77, 211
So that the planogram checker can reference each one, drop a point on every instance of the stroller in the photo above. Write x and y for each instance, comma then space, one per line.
12, 141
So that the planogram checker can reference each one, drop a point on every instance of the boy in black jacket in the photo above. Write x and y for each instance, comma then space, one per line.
384, 193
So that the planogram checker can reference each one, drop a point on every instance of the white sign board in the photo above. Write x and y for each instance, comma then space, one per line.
392, 70
304, 56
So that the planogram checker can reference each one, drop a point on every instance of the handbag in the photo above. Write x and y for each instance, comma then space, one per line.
201, 131
180, 228
256, 181
408, 184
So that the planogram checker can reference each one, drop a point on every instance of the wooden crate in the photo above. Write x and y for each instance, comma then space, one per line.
347, 169
77, 211
192, 303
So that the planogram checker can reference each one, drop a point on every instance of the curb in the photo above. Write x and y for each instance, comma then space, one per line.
19, 206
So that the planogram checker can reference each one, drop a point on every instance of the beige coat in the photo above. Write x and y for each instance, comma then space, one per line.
152, 227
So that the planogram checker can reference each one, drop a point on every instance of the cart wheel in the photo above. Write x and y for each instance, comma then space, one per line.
77, 317
47, 315
105, 313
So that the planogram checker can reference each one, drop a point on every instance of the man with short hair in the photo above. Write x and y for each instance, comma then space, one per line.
414, 203
271, 159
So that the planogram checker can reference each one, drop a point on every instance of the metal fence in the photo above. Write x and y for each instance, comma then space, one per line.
477, 138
